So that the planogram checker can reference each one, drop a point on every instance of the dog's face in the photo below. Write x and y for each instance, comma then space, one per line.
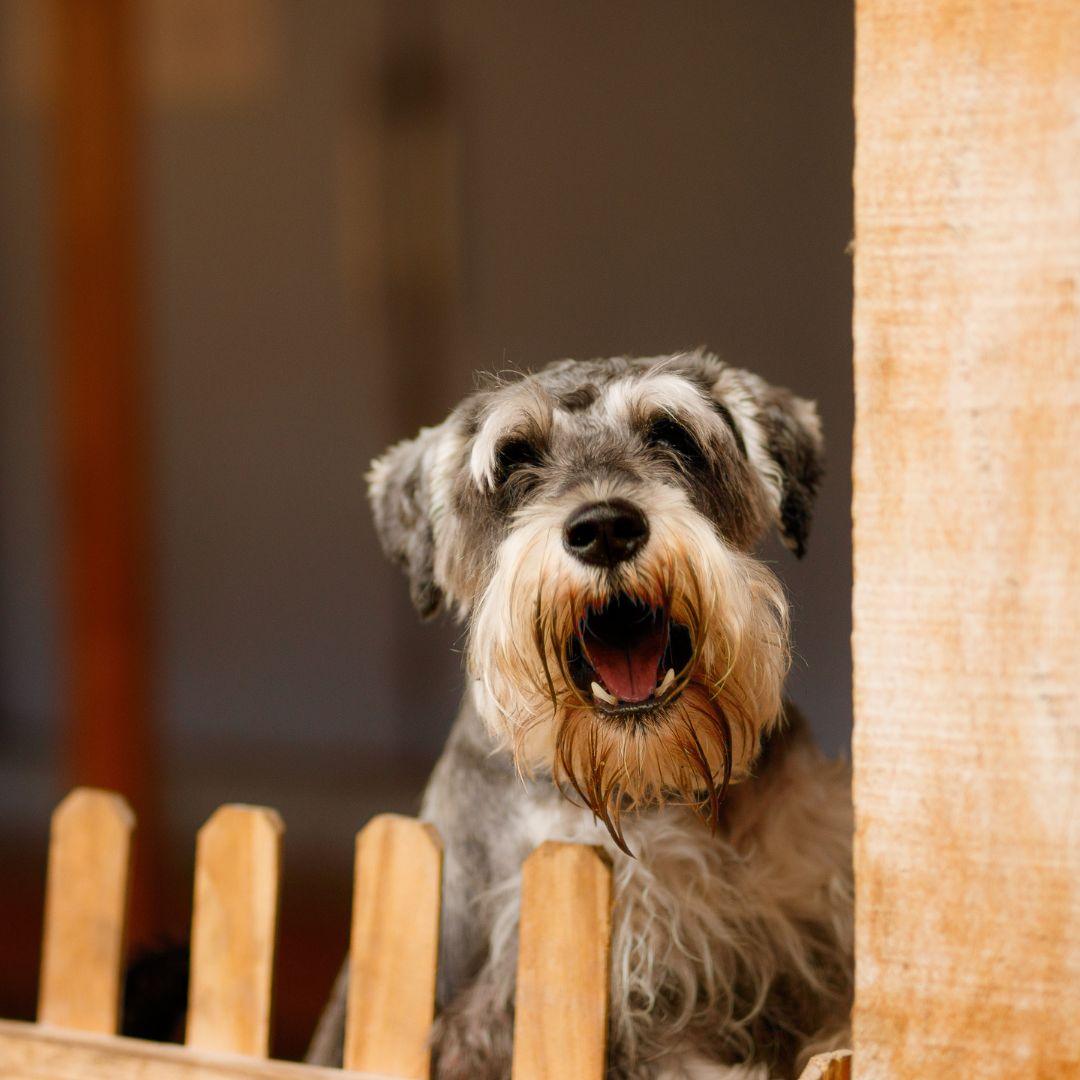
595, 524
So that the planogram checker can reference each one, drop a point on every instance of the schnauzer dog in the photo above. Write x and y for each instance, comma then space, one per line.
594, 524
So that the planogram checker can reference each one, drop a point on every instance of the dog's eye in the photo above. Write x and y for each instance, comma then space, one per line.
513, 456
668, 434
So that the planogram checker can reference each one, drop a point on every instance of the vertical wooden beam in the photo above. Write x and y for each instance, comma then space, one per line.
419, 206
234, 931
102, 452
561, 1004
85, 912
967, 513
394, 949
417, 231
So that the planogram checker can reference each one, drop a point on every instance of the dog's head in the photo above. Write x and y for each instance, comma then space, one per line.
595, 524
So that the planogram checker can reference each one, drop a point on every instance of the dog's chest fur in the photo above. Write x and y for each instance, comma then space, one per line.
730, 945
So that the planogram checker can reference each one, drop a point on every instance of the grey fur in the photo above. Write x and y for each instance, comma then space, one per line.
733, 948
797, 449
485, 839
402, 511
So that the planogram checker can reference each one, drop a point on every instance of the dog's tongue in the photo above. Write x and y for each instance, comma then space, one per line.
629, 672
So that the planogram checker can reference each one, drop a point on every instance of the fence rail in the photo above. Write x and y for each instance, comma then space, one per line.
564, 941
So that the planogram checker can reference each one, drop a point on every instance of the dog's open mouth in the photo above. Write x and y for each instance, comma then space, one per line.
627, 656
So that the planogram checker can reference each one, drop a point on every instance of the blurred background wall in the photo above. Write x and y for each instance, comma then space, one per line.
343, 210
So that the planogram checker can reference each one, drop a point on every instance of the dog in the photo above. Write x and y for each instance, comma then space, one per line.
594, 525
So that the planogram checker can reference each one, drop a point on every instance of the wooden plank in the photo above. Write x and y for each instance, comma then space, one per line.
562, 976
394, 949
234, 930
832, 1066
967, 512
85, 912
30, 1052
101, 405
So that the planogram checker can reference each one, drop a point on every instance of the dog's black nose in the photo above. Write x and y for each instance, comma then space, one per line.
605, 533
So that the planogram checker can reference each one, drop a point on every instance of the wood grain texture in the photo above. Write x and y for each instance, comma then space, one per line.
560, 1027
234, 930
394, 949
967, 513
30, 1052
85, 912
832, 1066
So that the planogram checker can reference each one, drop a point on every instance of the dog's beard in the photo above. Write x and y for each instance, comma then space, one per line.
704, 630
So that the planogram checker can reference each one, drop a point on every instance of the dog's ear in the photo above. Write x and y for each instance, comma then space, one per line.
793, 441
781, 434
399, 488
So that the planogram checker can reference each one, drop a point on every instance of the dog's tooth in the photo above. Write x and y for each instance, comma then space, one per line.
669, 678
603, 695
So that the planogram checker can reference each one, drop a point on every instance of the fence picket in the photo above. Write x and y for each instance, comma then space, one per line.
394, 948
562, 975
234, 930
85, 912
830, 1066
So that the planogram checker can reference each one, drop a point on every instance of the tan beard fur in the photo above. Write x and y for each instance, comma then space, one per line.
723, 701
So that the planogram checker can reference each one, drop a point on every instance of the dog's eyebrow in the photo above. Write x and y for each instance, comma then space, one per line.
527, 413
697, 389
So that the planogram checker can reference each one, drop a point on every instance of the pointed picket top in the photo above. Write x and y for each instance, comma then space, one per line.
85, 912
835, 1065
394, 949
562, 976
234, 930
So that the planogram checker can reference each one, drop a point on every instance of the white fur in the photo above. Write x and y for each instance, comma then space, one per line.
523, 404
691, 1066
660, 393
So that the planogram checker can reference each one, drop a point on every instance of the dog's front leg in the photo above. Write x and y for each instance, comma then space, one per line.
473, 1037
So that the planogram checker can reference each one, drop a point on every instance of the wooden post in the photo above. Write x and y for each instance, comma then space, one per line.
394, 950
85, 912
967, 518
561, 1004
99, 391
234, 931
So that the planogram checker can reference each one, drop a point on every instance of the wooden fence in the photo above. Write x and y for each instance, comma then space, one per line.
562, 984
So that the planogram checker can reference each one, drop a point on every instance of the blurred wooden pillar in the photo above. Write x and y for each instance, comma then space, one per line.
417, 136
420, 208
967, 514
100, 394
